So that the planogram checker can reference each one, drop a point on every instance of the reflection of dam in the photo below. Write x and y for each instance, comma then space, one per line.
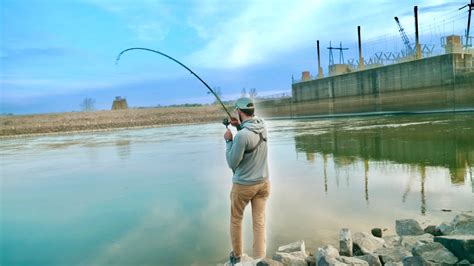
446, 145
416, 145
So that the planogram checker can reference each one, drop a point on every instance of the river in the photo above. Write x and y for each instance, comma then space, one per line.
161, 195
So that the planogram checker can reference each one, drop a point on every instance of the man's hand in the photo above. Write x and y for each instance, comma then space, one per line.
228, 135
234, 121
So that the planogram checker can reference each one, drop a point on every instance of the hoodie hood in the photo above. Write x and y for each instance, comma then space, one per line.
254, 124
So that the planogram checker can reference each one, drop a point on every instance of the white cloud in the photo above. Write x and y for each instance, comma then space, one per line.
260, 31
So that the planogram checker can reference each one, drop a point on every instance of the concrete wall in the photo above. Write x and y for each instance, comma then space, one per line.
444, 82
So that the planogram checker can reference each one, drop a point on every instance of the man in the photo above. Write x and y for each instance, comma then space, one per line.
246, 155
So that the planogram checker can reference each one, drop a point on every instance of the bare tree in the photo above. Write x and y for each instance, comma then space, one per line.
253, 93
243, 93
88, 104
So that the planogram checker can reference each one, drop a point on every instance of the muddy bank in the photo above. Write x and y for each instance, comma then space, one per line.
25, 125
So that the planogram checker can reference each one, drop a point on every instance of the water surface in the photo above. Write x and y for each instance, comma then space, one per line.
161, 196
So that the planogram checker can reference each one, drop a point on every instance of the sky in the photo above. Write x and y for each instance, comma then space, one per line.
55, 53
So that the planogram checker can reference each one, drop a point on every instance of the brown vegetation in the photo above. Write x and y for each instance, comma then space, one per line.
102, 120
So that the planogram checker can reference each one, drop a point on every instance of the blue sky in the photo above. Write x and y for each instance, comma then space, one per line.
54, 53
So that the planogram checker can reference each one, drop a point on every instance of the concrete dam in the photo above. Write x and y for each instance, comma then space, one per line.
443, 83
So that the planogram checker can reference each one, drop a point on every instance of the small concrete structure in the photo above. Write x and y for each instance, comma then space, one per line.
119, 103
452, 44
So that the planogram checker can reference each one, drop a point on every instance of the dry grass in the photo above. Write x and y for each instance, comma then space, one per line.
102, 120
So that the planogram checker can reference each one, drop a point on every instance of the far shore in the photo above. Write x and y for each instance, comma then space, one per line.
97, 121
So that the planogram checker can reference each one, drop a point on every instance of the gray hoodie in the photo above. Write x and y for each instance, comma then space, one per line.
249, 168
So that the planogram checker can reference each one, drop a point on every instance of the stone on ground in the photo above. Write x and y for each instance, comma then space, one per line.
269, 262
366, 243
434, 253
372, 259
297, 258
408, 227
352, 261
377, 232
396, 254
292, 247
462, 246
391, 241
345, 242
327, 255
410, 242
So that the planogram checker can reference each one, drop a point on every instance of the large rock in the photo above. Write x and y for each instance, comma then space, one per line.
431, 229
391, 241
444, 228
327, 255
413, 261
372, 259
408, 227
434, 253
269, 262
394, 263
345, 242
396, 254
352, 261
365, 243
462, 246
463, 224
410, 242
297, 258
292, 247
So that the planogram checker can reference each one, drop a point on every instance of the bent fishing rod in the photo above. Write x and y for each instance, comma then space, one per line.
226, 120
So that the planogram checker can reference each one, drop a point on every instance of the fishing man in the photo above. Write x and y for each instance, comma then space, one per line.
246, 155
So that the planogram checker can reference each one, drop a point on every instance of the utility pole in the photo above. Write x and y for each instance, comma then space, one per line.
361, 59
320, 69
470, 8
417, 45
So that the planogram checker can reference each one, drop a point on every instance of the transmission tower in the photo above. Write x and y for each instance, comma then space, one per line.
341, 53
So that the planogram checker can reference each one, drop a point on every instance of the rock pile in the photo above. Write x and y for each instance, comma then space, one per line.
445, 244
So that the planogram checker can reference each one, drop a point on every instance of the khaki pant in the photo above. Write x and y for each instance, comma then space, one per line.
239, 198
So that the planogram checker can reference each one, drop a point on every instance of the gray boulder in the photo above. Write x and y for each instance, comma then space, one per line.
311, 260
464, 262
365, 243
410, 242
408, 227
444, 228
396, 254
292, 247
372, 259
352, 261
297, 258
394, 263
462, 246
269, 262
413, 261
431, 229
463, 224
391, 241
434, 253
327, 255
345, 242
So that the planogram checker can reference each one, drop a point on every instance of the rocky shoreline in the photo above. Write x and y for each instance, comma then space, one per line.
448, 243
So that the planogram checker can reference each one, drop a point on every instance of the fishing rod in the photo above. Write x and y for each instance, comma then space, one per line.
226, 121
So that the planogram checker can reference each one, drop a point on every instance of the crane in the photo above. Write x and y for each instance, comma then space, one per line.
405, 39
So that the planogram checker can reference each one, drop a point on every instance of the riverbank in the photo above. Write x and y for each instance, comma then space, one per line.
448, 243
73, 122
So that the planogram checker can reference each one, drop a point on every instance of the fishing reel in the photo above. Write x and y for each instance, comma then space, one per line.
226, 123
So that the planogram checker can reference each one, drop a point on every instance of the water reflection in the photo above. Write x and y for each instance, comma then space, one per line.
123, 148
443, 141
